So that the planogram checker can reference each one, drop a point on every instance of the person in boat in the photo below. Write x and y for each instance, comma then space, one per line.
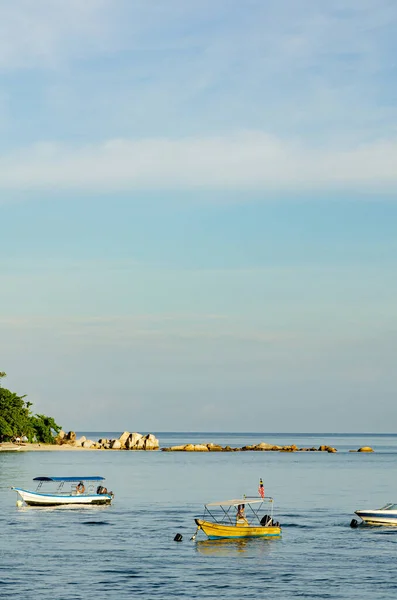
240, 515
101, 490
80, 488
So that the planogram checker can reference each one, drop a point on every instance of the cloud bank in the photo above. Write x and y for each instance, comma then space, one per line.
249, 160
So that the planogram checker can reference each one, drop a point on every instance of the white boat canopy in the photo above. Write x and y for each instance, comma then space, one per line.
241, 501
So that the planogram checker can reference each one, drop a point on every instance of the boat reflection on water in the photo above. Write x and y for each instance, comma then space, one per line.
236, 547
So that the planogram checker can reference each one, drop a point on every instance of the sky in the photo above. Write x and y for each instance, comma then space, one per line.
198, 213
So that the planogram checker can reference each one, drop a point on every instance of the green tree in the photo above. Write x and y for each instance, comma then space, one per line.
15, 415
5, 429
2, 374
16, 419
44, 428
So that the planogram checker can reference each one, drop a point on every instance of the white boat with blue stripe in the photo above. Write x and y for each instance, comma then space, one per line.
68, 491
387, 515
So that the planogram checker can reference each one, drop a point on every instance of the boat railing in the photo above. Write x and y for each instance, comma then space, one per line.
72, 490
89, 489
254, 513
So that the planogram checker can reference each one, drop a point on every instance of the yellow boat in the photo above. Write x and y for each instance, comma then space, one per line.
241, 518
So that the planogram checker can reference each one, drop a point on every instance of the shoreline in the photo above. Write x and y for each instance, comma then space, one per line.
69, 442
39, 447
10, 447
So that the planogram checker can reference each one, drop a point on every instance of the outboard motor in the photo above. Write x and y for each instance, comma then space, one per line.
266, 521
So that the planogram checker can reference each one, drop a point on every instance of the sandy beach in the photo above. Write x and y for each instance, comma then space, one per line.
8, 446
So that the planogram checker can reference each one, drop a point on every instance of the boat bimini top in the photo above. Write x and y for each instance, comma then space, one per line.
68, 479
245, 500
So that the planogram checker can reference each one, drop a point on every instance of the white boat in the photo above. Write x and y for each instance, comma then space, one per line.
80, 491
387, 515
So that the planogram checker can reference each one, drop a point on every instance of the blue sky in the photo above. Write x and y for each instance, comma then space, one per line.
198, 210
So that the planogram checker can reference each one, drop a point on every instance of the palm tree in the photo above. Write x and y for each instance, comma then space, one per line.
2, 374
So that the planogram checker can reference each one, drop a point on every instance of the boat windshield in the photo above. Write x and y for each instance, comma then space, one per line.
389, 506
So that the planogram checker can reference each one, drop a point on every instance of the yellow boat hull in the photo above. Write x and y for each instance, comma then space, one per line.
215, 531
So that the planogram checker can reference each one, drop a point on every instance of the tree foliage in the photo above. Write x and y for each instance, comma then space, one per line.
45, 428
15, 414
5, 429
17, 420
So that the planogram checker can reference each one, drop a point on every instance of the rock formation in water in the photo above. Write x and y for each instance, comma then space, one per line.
262, 447
127, 441
138, 441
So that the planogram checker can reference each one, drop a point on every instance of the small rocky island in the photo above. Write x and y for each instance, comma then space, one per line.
262, 447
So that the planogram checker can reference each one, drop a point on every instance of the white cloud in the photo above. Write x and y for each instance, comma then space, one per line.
250, 160
168, 68
311, 80
43, 33
39, 33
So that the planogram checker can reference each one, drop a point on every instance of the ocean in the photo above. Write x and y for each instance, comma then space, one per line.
127, 550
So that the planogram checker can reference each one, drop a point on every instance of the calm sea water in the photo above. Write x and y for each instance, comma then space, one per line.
127, 550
